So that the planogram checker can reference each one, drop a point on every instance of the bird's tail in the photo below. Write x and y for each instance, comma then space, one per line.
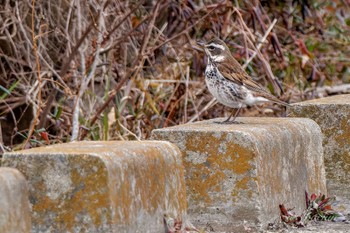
274, 99
277, 101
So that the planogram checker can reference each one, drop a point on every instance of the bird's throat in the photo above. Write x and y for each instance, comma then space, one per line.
218, 58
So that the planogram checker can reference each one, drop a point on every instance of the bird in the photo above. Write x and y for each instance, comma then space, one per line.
229, 83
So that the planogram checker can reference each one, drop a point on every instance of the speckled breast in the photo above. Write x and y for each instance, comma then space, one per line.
226, 92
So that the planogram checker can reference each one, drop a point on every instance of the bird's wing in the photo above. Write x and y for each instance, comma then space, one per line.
234, 72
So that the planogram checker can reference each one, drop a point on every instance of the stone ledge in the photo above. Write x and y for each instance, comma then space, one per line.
102, 186
332, 114
238, 174
14, 202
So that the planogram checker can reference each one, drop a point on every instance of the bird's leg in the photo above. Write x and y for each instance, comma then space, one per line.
237, 112
228, 119
234, 117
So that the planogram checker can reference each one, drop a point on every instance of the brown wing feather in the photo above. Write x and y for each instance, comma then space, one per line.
233, 71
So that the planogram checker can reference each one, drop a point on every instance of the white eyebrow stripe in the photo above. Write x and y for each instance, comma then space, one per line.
218, 58
217, 46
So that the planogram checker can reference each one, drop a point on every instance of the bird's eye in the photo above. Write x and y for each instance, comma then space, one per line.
210, 47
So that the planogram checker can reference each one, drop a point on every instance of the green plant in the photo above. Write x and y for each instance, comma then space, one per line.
318, 208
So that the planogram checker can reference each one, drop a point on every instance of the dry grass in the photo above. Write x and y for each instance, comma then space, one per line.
115, 70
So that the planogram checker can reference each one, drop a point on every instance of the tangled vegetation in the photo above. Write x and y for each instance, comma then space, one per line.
115, 70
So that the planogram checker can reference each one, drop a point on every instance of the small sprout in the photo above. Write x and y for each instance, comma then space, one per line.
318, 208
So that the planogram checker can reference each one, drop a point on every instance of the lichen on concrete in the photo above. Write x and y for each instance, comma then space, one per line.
242, 172
332, 114
102, 186
14, 202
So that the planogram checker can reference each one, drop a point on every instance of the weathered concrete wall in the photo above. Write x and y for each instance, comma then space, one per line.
332, 114
102, 186
14, 202
238, 174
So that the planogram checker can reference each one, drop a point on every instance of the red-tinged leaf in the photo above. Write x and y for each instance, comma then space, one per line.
307, 199
290, 219
161, 105
177, 224
313, 197
284, 211
303, 48
45, 136
324, 201
328, 207
135, 21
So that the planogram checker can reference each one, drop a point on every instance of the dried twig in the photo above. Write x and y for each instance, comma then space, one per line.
261, 42
89, 52
137, 65
211, 103
39, 97
266, 65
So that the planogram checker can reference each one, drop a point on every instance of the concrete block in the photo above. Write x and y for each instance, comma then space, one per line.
14, 202
102, 186
238, 174
332, 114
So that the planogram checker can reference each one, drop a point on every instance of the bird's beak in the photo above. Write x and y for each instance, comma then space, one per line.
199, 46
203, 46
201, 43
